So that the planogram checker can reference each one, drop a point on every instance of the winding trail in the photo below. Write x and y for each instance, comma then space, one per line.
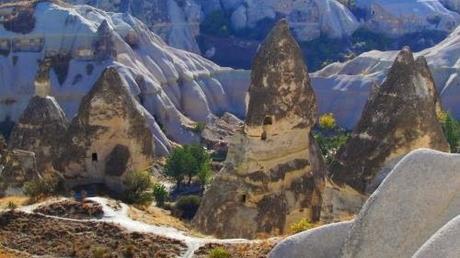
120, 217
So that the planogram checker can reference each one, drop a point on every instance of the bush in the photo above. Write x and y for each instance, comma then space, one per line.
160, 194
187, 206
327, 121
199, 127
137, 184
451, 129
302, 225
330, 144
218, 252
11, 205
42, 187
99, 252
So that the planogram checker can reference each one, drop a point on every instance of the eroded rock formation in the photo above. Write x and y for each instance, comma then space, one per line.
413, 213
274, 172
40, 129
398, 118
111, 136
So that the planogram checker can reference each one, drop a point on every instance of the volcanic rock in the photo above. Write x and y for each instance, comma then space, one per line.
110, 136
274, 172
398, 118
40, 129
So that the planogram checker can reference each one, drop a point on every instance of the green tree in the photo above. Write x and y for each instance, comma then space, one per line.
137, 186
188, 161
451, 128
178, 164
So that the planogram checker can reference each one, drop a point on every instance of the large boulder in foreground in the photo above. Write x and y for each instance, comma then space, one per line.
274, 172
421, 194
413, 212
322, 242
112, 135
399, 117
40, 129
445, 243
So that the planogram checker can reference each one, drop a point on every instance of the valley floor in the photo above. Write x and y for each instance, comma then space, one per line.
120, 230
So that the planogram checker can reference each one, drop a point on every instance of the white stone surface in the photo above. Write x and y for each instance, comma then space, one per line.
177, 87
420, 195
322, 242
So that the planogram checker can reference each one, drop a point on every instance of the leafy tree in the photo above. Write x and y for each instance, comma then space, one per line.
187, 206
188, 161
137, 184
42, 187
327, 121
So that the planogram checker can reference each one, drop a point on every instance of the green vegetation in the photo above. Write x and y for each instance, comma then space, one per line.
330, 137
302, 225
42, 187
199, 127
11, 205
137, 186
160, 194
99, 252
451, 129
187, 206
188, 161
219, 252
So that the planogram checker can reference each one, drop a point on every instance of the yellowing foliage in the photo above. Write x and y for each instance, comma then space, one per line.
302, 225
327, 121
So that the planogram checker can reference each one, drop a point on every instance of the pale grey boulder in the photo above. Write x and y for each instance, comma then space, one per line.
419, 196
445, 243
322, 242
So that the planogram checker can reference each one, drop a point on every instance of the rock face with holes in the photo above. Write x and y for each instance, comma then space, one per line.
399, 117
274, 172
40, 130
111, 136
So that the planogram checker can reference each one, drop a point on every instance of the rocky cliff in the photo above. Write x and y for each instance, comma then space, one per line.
414, 213
40, 130
274, 172
62, 57
398, 118
111, 135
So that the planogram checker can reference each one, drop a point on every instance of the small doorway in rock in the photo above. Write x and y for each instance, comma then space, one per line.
268, 120
243, 198
263, 136
94, 157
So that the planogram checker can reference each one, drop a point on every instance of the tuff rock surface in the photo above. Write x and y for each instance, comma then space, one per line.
413, 213
400, 116
274, 172
40, 130
111, 136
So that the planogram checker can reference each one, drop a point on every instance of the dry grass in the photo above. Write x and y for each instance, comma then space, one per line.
158, 217
19, 201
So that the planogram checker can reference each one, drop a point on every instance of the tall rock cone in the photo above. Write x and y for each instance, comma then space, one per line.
110, 137
398, 118
40, 129
274, 173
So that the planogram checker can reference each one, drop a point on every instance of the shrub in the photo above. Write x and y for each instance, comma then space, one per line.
137, 184
451, 129
160, 194
327, 121
302, 225
99, 252
330, 144
187, 206
199, 127
11, 205
42, 187
218, 252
